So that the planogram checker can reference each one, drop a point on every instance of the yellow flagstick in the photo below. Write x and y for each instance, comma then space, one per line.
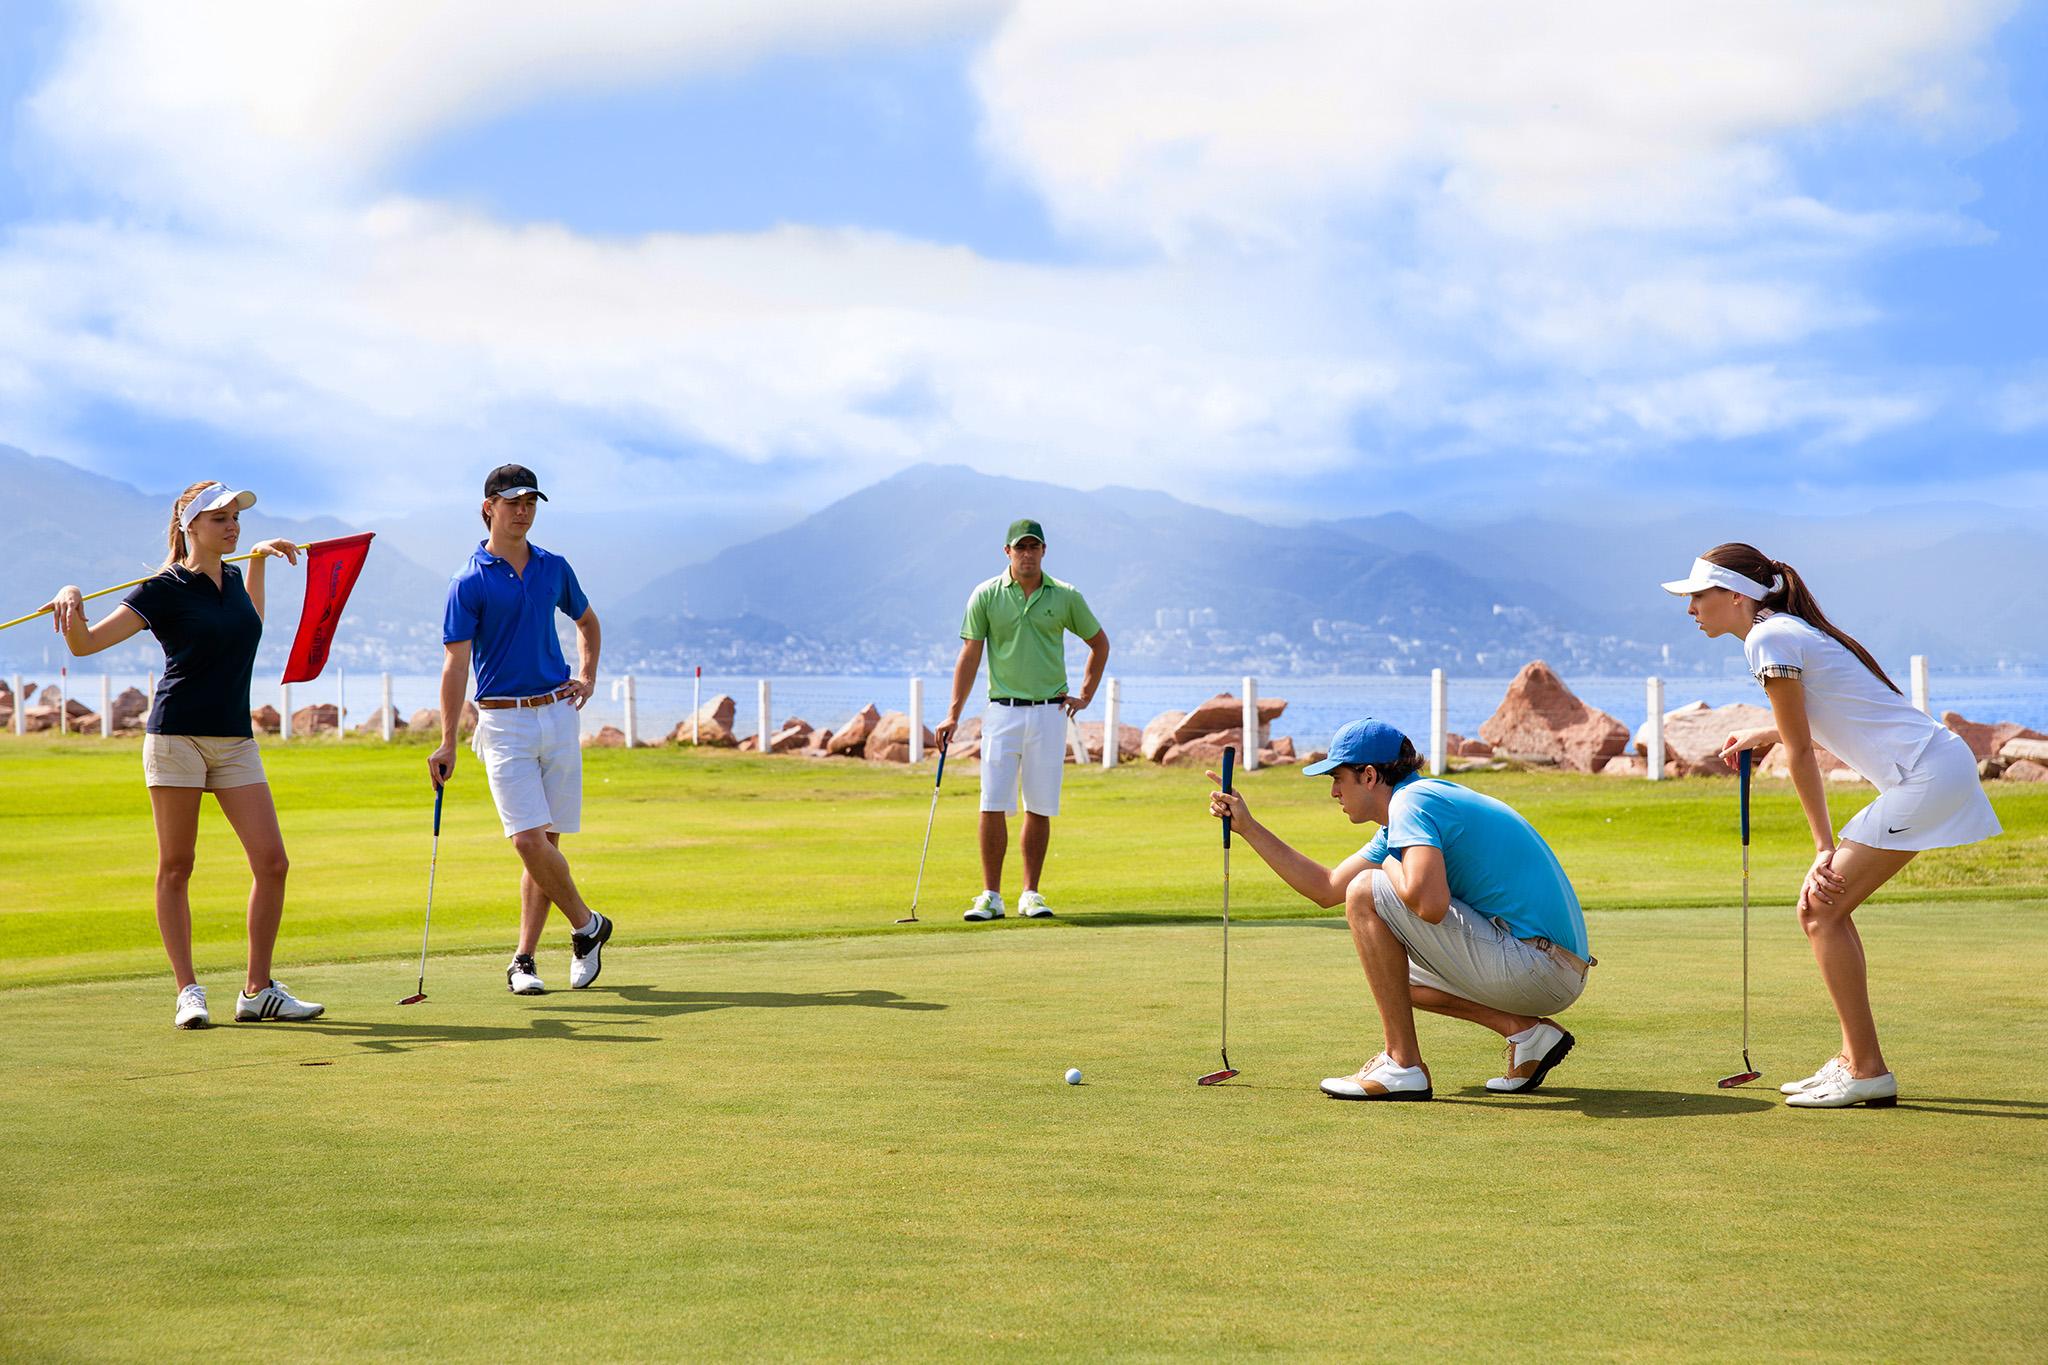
45, 610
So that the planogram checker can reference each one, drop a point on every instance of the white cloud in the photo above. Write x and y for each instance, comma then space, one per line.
1567, 228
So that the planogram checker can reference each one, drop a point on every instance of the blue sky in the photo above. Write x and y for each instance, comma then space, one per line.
724, 263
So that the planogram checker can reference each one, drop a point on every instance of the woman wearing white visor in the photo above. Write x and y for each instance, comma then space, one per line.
1825, 689
199, 739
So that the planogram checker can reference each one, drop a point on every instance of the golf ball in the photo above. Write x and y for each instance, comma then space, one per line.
1073, 1075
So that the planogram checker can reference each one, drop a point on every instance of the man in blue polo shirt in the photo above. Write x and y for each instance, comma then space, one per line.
501, 617
1456, 906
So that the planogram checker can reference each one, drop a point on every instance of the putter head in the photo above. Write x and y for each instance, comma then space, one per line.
414, 999
1740, 1078
1216, 1077
908, 919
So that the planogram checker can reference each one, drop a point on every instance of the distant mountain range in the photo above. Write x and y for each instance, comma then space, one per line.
876, 582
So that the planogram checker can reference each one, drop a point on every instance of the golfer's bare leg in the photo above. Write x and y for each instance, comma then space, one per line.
1037, 838
995, 843
1458, 1007
1385, 959
533, 911
254, 818
540, 851
176, 810
1838, 948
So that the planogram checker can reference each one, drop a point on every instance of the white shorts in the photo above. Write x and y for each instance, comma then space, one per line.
1027, 742
1467, 955
533, 758
1940, 803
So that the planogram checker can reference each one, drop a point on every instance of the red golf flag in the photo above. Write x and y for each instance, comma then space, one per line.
331, 570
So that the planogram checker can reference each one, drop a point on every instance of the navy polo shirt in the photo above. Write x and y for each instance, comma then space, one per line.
509, 618
209, 635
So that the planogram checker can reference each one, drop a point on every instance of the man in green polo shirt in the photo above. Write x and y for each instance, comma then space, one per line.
1021, 617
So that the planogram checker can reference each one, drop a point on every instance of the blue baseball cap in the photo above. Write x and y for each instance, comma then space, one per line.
1360, 741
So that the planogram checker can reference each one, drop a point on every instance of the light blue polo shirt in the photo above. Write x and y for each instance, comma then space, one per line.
510, 619
1495, 860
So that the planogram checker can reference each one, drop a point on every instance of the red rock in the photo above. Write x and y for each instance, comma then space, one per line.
1776, 764
315, 719
1625, 765
2026, 770
1694, 734
713, 725
129, 709
375, 724
1475, 748
1987, 740
1282, 747
264, 720
889, 741
851, 739
1205, 749
2019, 749
36, 719
1313, 756
1221, 712
1128, 740
607, 737
793, 737
1158, 734
1540, 718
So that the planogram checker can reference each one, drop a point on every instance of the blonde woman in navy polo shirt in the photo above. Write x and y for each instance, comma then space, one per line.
198, 738
501, 617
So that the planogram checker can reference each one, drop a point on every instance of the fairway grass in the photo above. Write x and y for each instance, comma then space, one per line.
862, 1147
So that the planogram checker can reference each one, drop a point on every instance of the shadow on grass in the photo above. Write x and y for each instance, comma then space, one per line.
1124, 919
1978, 1109
650, 1002
1619, 1104
416, 1032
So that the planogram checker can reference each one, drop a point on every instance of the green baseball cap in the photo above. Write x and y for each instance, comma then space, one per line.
1022, 527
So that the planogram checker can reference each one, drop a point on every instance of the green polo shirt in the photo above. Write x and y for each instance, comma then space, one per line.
1027, 657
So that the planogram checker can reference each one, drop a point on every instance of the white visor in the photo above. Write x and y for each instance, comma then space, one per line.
1706, 575
212, 498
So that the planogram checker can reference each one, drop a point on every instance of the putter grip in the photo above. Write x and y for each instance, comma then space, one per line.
1229, 761
941, 775
438, 793
1742, 769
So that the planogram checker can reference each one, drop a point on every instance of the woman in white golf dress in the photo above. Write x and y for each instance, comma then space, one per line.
1827, 691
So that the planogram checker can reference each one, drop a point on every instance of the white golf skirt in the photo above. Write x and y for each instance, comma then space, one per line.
1027, 746
1939, 803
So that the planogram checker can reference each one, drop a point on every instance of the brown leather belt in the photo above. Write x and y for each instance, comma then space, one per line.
509, 703
1556, 953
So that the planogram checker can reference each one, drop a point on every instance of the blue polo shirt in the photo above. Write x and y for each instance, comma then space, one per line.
1495, 860
509, 618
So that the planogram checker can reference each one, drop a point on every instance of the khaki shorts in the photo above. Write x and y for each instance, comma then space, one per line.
1473, 958
209, 762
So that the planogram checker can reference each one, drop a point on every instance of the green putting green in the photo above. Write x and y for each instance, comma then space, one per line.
860, 1144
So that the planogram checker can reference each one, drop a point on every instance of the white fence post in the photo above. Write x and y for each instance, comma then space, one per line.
1653, 702
761, 741
64, 701
1248, 734
1919, 671
696, 703
917, 720
340, 701
1111, 707
1439, 722
20, 709
106, 707
390, 720
632, 717
284, 711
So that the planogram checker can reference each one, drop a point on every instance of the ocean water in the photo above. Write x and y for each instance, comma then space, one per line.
1315, 706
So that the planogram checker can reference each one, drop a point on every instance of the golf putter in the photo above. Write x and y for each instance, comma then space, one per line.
1217, 1077
930, 816
420, 992
1749, 1071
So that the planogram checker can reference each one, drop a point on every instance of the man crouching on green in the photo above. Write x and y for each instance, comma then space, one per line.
1456, 906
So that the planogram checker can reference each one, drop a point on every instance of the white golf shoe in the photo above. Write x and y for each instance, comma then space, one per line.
192, 1008
1531, 1054
275, 1002
1842, 1090
1031, 905
522, 977
1380, 1079
1827, 1072
988, 905
588, 947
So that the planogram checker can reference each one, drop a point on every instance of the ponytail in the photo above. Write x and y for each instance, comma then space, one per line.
175, 539
1790, 595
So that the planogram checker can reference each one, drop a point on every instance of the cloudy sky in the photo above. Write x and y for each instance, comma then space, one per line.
737, 258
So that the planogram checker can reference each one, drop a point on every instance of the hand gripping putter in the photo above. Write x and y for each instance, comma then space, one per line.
931, 815
1748, 1072
1216, 1077
420, 992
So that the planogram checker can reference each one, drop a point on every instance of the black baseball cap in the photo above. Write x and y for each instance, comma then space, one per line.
512, 481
